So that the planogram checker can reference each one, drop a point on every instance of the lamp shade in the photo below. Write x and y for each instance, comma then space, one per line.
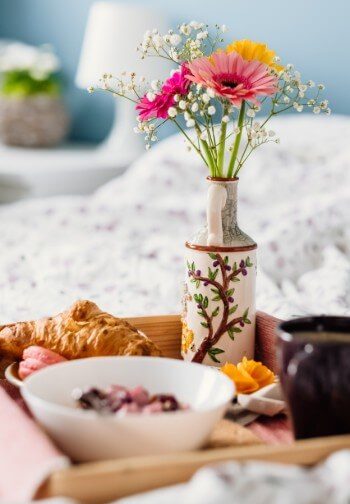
112, 35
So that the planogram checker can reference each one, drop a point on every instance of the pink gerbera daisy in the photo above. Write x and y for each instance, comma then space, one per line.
232, 77
159, 106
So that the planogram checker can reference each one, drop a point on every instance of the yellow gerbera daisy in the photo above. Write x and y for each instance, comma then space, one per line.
250, 50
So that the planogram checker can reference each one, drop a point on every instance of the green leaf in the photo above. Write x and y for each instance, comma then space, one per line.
234, 267
235, 279
216, 311
212, 255
197, 283
245, 314
188, 265
216, 351
226, 259
212, 274
236, 329
216, 298
233, 309
201, 314
213, 352
204, 324
215, 291
205, 302
247, 321
231, 333
248, 262
230, 292
193, 267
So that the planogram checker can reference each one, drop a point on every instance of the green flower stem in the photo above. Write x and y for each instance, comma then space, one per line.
237, 141
221, 149
209, 157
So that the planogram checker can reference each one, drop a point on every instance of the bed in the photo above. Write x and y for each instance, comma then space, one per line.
123, 246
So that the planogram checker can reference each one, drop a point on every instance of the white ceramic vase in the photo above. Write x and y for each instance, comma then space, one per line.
218, 320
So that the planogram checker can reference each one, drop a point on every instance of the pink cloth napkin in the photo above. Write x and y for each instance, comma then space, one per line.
27, 456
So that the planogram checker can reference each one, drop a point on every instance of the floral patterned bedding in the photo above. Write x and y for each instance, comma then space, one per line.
122, 247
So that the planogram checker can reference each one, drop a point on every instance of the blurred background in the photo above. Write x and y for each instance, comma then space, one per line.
312, 35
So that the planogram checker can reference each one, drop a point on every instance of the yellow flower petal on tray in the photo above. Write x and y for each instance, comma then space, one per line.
249, 375
245, 384
260, 373
257, 51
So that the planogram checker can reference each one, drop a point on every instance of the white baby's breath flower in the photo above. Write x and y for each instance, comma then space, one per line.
204, 135
195, 25
302, 88
211, 92
286, 99
148, 146
310, 84
182, 104
172, 112
190, 123
321, 87
195, 107
225, 119
250, 113
90, 89
137, 130
150, 96
176, 97
155, 85
185, 29
278, 140
324, 104
174, 54
202, 35
223, 28
175, 39
205, 98
157, 41
316, 110
272, 133
211, 110
328, 111
237, 130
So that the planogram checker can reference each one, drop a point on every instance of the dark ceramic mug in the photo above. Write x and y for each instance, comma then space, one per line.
314, 362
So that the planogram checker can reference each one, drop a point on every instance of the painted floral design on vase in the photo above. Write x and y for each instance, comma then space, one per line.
218, 320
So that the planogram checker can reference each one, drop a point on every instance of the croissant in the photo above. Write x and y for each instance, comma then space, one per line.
81, 331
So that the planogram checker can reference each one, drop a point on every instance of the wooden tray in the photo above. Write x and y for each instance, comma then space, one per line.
104, 481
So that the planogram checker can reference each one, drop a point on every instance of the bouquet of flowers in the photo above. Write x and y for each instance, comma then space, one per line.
215, 94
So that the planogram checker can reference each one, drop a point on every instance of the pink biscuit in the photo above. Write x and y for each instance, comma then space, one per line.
35, 358
42, 354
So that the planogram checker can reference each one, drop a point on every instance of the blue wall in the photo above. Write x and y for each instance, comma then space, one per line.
312, 34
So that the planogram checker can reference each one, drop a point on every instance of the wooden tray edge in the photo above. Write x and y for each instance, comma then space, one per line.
103, 481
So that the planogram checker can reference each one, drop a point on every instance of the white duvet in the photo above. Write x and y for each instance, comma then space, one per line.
123, 246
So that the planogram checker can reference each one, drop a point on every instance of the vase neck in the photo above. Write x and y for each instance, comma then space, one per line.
229, 211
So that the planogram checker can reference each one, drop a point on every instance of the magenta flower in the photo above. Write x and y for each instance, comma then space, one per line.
177, 83
158, 108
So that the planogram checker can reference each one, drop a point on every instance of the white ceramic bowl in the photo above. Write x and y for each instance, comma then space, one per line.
86, 435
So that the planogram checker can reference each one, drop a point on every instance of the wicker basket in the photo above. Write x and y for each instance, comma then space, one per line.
38, 121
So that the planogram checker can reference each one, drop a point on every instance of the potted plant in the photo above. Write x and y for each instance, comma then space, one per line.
213, 98
32, 113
